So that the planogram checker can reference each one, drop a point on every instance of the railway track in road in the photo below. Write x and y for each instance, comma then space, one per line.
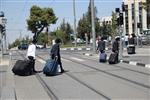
111, 74
52, 95
115, 65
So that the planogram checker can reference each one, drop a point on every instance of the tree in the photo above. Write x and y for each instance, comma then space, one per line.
114, 24
60, 34
39, 19
84, 24
65, 27
42, 39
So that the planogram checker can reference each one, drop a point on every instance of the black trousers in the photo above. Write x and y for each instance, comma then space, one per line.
32, 62
58, 60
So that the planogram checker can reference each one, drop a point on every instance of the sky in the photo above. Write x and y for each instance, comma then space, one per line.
18, 11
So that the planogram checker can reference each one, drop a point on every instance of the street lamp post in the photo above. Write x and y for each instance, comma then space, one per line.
75, 34
135, 23
93, 25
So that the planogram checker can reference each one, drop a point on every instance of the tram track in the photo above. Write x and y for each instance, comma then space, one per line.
115, 65
111, 74
52, 95
43, 83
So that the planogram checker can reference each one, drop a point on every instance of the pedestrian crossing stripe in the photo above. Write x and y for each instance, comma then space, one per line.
76, 59
40, 60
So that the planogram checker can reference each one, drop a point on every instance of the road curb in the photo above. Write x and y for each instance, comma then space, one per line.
136, 63
125, 61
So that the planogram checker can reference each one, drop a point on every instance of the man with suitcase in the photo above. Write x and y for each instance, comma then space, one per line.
101, 49
114, 57
55, 52
31, 54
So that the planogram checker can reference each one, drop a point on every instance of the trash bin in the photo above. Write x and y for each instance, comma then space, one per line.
131, 49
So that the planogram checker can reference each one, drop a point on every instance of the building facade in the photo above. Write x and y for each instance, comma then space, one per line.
106, 20
135, 13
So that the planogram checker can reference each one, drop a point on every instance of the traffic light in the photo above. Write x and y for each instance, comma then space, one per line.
120, 18
123, 7
2, 29
117, 10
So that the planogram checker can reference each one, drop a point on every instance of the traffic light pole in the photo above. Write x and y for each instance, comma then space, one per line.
135, 23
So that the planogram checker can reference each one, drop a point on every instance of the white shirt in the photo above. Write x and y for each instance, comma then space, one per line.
31, 50
126, 38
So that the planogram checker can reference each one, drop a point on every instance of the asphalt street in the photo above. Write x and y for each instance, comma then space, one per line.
85, 78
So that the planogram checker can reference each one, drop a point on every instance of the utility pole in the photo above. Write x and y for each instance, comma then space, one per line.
93, 25
75, 33
135, 23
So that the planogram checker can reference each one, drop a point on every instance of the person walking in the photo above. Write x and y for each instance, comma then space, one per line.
101, 49
101, 45
126, 40
31, 54
55, 52
115, 48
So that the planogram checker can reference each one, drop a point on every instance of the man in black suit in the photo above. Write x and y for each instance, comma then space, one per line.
55, 52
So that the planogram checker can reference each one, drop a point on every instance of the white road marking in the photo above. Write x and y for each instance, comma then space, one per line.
132, 63
147, 65
41, 60
71, 48
65, 60
77, 59
79, 48
88, 48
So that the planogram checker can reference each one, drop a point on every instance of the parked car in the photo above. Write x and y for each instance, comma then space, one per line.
39, 46
79, 41
23, 46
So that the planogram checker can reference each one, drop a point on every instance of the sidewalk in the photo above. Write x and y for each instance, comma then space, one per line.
141, 58
7, 89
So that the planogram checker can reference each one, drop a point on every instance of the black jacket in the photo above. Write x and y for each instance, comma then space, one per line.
115, 47
55, 51
101, 45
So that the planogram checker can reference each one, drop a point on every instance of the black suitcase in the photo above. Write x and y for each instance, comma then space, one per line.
131, 49
22, 68
113, 58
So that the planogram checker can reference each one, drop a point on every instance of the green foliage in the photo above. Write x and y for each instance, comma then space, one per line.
42, 39
114, 24
84, 24
39, 19
60, 34
17, 42
66, 28
146, 4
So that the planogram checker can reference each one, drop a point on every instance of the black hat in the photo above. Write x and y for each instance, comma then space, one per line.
34, 41
58, 40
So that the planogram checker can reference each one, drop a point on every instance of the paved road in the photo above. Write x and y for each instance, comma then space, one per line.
85, 78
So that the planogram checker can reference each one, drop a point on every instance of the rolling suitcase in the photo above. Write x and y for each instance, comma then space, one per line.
22, 68
131, 49
51, 67
103, 57
113, 58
